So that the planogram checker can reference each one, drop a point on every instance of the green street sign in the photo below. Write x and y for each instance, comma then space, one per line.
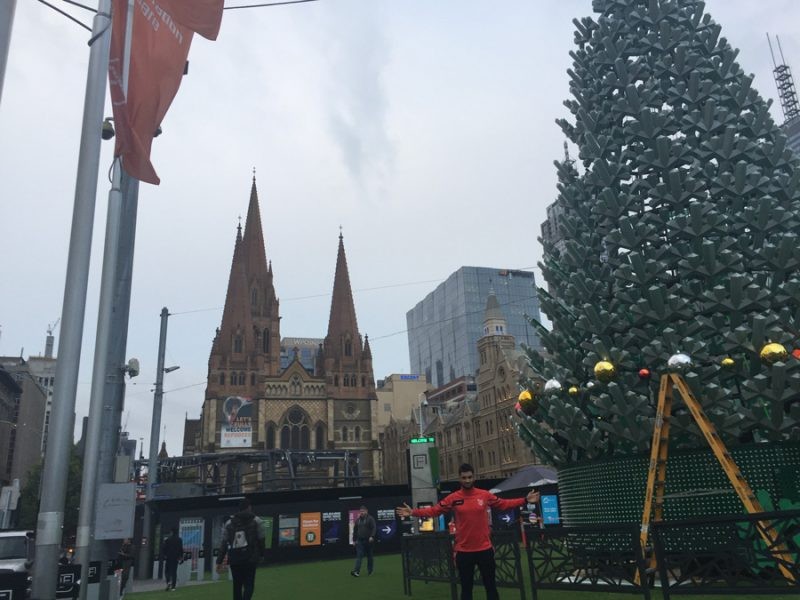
422, 440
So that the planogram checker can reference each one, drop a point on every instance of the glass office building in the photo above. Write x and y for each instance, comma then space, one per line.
444, 328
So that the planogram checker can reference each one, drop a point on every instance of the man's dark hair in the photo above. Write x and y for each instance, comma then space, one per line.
244, 505
465, 468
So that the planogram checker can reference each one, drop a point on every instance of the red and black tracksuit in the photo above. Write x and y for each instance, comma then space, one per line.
473, 545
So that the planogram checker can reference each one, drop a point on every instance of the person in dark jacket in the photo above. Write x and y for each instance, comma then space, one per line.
243, 545
125, 562
172, 552
363, 538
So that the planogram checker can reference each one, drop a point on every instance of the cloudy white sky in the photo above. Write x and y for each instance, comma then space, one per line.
425, 128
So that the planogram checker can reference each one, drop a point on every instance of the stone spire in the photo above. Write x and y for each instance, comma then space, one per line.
347, 361
342, 325
247, 344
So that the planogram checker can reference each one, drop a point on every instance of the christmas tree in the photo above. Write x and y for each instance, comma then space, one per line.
678, 236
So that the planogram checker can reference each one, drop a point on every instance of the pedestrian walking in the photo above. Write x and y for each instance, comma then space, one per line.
125, 562
243, 544
172, 552
473, 545
363, 538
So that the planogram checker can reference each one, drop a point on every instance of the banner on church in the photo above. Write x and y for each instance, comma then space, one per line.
237, 428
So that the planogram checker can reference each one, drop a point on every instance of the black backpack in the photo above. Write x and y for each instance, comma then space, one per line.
242, 542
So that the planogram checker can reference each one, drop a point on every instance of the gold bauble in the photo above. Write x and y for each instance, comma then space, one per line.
604, 371
573, 391
728, 363
772, 353
524, 395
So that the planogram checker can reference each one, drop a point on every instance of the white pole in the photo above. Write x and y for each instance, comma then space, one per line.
6, 20
56, 464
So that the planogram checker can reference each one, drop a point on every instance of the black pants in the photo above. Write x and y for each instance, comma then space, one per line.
244, 579
466, 561
171, 572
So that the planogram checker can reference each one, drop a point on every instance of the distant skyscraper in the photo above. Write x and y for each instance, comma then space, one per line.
444, 328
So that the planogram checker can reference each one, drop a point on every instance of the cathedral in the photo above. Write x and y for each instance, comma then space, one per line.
265, 392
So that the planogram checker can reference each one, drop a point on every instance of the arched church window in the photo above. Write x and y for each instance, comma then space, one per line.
237, 343
358, 433
265, 342
336, 380
344, 433
295, 428
222, 378
319, 437
252, 378
241, 378
346, 380
254, 297
363, 381
348, 348
270, 436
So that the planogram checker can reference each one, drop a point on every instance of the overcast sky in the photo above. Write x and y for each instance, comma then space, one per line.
425, 128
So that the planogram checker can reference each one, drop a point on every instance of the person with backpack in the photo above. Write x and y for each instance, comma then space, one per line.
243, 544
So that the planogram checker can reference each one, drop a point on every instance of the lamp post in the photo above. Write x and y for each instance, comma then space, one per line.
423, 403
146, 548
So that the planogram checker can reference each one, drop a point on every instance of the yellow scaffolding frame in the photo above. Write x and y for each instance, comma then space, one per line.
657, 472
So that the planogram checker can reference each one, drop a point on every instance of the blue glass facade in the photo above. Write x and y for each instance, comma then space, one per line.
444, 328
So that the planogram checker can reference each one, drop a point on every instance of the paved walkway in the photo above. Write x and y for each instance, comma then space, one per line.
153, 585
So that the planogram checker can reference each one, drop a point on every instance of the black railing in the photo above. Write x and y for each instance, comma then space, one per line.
728, 555
429, 557
602, 558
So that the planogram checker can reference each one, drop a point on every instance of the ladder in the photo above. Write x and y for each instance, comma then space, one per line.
657, 471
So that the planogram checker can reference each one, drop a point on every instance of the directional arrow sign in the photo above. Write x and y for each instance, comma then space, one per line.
387, 530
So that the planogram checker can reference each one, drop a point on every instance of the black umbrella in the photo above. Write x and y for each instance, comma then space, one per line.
527, 477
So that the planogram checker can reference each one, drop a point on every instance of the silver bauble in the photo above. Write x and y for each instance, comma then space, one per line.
679, 362
553, 386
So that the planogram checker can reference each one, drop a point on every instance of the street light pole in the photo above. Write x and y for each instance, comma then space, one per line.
6, 20
146, 548
50, 521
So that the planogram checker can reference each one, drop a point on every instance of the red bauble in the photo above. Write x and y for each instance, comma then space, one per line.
796, 353
644, 374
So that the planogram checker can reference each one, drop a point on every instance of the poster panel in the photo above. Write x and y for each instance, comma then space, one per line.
191, 532
550, 510
352, 517
332, 526
288, 530
236, 430
386, 524
310, 529
266, 529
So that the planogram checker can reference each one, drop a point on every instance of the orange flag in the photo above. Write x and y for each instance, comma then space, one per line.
160, 40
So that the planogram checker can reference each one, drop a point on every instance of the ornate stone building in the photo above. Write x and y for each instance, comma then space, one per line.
252, 402
474, 425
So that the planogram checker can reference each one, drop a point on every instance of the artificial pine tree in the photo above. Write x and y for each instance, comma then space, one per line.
678, 236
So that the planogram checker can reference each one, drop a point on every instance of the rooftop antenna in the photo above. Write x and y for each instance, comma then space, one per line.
785, 82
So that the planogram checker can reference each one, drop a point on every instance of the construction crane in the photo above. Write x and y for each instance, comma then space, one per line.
52, 326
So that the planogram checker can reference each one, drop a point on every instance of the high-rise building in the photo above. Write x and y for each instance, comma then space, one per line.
269, 393
444, 328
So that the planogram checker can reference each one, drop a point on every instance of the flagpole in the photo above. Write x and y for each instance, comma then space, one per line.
49, 526
6, 20
112, 322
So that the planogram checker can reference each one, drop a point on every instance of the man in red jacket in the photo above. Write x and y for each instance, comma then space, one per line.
473, 546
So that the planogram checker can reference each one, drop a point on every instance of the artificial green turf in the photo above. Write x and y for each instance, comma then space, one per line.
331, 580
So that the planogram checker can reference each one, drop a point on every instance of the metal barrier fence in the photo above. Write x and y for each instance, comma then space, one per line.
590, 559
728, 555
429, 557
